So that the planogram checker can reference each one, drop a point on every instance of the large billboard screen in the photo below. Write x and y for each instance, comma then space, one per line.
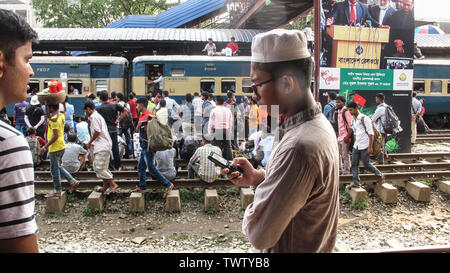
367, 46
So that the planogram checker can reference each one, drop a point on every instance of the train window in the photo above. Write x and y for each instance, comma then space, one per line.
419, 86
101, 85
247, 86
77, 87
436, 87
207, 85
34, 86
228, 85
448, 87
177, 72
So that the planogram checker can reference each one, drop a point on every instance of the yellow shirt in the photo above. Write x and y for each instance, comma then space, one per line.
56, 122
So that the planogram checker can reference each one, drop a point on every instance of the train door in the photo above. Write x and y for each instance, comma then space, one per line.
34, 86
100, 78
152, 74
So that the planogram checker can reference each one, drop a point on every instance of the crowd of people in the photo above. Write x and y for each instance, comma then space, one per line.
296, 200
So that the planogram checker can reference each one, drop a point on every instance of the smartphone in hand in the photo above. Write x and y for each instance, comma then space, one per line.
223, 163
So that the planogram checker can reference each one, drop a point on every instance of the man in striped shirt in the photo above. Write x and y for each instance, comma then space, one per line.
201, 165
17, 223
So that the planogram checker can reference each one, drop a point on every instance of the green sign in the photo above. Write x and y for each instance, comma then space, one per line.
267, 2
367, 79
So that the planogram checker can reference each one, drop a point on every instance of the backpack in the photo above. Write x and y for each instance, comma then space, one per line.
377, 144
391, 122
127, 121
35, 150
352, 136
334, 118
159, 136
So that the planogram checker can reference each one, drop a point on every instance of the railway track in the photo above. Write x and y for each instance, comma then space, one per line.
401, 168
439, 136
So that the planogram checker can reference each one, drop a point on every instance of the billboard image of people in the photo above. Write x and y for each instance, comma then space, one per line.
367, 46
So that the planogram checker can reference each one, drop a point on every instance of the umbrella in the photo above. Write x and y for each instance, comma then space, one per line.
428, 29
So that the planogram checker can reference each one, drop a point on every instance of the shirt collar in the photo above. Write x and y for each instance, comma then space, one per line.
300, 118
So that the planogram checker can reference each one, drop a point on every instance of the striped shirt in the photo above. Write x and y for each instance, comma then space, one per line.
207, 172
16, 185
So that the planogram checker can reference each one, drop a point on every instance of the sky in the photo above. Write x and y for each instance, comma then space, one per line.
432, 9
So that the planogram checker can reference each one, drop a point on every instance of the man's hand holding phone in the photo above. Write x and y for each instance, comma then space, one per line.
250, 176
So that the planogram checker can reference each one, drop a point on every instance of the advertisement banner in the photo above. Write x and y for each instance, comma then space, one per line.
367, 47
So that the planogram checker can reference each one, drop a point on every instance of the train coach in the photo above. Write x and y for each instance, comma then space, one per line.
86, 74
432, 83
189, 74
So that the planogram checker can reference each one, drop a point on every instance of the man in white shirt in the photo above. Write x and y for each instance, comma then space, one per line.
363, 145
100, 144
309, 37
379, 118
416, 108
210, 47
197, 102
159, 82
220, 125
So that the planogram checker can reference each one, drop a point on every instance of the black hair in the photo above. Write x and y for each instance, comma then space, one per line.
131, 95
414, 94
31, 131
71, 137
188, 97
352, 104
120, 96
229, 94
220, 100
89, 104
165, 93
210, 96
14, 33
332, 95
92, 96
341, 98
103, 96
300, 69
380, 96
195, 94
143, 101
162, 103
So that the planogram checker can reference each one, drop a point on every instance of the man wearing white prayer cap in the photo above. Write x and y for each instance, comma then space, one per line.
296, 202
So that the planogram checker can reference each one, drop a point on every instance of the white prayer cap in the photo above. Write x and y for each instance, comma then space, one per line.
279, 45
34, 100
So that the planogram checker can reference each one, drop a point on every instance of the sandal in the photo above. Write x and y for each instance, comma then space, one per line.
168, 189
139, 190
53, 194
74, 187
98, 188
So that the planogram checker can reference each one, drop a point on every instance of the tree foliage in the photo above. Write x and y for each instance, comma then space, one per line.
92, 13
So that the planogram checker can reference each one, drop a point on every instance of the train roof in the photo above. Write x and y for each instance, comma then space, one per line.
78, 60
199, 58
433, 62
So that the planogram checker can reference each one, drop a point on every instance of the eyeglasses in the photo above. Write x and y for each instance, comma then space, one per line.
255, 86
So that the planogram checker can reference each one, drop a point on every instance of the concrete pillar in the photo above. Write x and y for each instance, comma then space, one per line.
358, 194
418, 191
56, 204
173, 202
247, 196
444, 186
211, 200
387, 193
137, 201
96, 200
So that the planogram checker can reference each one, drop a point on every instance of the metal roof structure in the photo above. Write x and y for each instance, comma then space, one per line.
182, 15
167, 41
264, 14
433, 40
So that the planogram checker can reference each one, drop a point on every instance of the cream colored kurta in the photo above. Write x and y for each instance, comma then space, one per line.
296, 207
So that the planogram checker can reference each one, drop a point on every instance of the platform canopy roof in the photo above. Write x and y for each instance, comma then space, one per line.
182, 15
